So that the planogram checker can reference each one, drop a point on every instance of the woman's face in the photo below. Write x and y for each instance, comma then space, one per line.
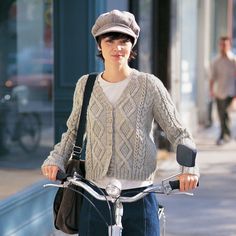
116, 50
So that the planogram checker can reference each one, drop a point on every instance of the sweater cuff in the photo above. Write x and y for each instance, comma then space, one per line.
54, 162
190, 170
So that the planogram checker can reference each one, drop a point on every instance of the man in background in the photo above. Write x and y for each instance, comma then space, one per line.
222, 85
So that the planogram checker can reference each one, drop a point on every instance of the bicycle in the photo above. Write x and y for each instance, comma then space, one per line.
113, 191
18, 124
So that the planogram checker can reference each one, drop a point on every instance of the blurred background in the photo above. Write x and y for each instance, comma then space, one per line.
46, 45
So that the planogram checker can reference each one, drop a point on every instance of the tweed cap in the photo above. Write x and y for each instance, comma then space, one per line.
116, 21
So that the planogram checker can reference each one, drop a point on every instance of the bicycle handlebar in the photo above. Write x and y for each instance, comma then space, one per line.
185, 157
166, 188
174, 184
62, 176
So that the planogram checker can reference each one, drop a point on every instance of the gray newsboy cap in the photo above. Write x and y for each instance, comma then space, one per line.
116, 21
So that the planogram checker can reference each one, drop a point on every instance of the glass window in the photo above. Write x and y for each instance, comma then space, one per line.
219, 22
145, 43
188, 30
26, 79
234, 28
122, 5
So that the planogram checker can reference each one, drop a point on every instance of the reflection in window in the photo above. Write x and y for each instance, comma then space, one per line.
145, 50
188, 10
234, 27
26, 77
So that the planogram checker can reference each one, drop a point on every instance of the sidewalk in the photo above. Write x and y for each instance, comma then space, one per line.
15, 180
19, 170
213, 203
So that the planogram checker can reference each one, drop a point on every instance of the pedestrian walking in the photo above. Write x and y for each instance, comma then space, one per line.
122, 107
222, 85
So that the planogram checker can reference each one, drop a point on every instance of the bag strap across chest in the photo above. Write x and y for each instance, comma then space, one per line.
78, 146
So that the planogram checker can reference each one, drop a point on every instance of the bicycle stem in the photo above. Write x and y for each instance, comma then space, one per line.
118, 213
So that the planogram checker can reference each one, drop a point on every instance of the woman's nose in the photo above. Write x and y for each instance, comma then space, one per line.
117, 46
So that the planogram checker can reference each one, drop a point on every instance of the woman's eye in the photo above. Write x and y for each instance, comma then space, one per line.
108, 40
124, 41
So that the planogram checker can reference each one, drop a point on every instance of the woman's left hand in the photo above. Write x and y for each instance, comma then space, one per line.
188, 182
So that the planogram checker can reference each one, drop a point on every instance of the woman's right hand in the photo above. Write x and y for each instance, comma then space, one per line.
50, 172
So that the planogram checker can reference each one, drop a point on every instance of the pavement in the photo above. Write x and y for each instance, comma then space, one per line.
19, 170
207, 149
211, 211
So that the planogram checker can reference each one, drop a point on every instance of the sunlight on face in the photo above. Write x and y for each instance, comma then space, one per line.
116, 50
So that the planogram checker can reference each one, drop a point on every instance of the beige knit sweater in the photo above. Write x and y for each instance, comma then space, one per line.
118, 136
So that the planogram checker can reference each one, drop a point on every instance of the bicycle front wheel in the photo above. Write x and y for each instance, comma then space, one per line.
29, 131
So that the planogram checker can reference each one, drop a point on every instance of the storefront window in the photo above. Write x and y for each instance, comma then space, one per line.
188, 30
220, 18
145, 20
26, 78
234, 28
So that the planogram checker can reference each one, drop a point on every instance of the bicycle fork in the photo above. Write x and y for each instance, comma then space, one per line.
116, 229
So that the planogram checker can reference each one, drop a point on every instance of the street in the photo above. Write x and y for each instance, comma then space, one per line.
212, 209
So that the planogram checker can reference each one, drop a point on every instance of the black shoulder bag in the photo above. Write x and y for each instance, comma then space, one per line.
67, 203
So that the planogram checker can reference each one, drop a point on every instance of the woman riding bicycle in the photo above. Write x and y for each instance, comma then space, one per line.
123, 105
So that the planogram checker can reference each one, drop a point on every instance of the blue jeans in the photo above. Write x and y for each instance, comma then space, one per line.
139, 219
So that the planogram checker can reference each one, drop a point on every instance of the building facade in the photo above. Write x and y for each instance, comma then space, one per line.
45, 46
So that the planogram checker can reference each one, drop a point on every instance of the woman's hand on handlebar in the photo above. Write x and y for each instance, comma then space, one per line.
50, 172
188, 182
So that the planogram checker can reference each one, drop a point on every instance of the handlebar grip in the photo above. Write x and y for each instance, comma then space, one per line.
174, 184
62, 176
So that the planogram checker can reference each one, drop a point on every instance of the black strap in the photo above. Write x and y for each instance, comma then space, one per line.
77, 150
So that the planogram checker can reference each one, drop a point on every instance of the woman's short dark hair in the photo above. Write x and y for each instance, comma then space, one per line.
115, 36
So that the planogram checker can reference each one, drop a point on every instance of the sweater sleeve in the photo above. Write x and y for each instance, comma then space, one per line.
167, 116
62, 150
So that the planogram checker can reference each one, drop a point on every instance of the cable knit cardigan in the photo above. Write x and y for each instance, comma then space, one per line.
119, 143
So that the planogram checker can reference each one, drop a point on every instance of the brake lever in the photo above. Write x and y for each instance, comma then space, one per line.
54, 185
61, 185
183, 193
